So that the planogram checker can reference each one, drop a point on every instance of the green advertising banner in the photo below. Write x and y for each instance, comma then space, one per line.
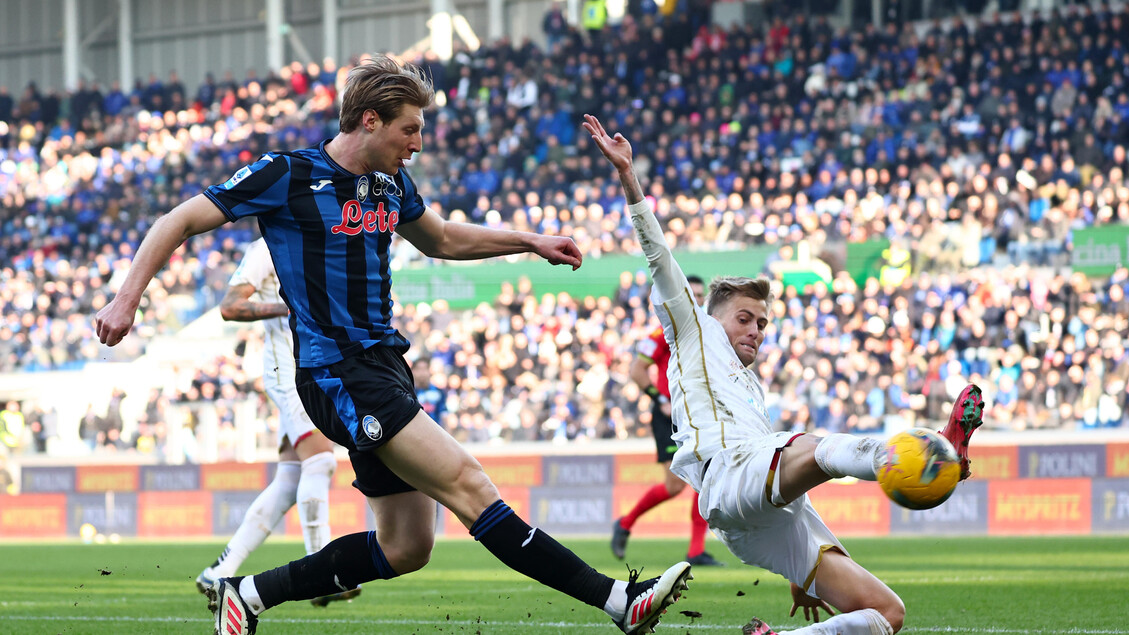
466, 285
1098, 251
864, 260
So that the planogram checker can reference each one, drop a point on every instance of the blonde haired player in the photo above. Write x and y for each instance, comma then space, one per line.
305, 456
753, 481
328, 213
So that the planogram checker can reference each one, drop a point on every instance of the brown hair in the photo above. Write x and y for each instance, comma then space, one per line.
384, 85
723, 288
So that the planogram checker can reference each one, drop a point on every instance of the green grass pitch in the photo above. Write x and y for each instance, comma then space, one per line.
950, 585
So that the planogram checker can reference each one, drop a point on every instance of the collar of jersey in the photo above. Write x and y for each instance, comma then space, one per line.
337, 166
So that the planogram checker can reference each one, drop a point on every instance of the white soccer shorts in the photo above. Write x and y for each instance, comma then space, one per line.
788, 540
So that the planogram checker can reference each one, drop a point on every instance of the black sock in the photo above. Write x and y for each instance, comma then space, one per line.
534, 553
341, 565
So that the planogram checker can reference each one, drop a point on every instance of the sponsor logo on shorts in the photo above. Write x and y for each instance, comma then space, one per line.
372, 427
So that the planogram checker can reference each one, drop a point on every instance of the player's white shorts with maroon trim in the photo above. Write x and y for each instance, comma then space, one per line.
789, 539
293, 422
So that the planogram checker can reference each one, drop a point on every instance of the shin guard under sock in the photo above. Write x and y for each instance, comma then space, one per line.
342, 565
534, 553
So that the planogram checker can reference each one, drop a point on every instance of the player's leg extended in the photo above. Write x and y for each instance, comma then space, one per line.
428, 458
264, 513
808, 461
401, 544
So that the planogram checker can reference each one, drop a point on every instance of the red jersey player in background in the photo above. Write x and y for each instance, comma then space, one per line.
654, 351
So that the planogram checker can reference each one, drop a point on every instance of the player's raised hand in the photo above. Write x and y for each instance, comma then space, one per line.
617, 149
115, 320
558, 250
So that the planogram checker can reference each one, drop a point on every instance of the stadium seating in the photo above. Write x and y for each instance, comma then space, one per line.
981, 148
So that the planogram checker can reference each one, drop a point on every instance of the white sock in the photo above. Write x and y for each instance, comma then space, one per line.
616, 605
250, 595
261, 517
842, 455
313, 499
862, 622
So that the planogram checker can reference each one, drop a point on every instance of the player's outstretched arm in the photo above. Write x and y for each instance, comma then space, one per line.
668, 276
437, 237
194, 216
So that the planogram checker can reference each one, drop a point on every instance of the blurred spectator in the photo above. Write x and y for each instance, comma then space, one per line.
7, 483
88, 427
44, 426
554, 25
12, 425
431, 398
977, 147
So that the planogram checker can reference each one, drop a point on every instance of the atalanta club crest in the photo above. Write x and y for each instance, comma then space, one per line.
362, 188
372, 427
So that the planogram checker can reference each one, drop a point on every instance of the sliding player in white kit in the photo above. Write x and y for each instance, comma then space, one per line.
306, 462
752, 480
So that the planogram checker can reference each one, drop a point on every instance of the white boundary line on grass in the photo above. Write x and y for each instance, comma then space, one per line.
522, 623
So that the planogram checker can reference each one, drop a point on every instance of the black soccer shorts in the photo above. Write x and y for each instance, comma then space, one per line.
360, 403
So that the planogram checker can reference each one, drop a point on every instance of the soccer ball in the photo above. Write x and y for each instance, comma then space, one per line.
922, 469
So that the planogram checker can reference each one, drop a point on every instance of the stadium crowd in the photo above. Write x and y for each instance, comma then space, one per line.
978, 147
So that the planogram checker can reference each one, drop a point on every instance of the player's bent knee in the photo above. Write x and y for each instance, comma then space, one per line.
847, 586
894, 611
411, 555
891, 607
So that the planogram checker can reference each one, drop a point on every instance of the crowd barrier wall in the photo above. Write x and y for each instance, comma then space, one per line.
1015, 490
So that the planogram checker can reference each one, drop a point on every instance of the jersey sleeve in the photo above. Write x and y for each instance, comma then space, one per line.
671, 291
669, 281
254, 190
255, 267
412, 205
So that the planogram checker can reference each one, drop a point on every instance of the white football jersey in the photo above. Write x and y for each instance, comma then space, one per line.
716, 402
257, 270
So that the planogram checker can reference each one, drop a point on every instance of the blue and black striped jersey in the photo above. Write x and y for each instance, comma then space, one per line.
328, 231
